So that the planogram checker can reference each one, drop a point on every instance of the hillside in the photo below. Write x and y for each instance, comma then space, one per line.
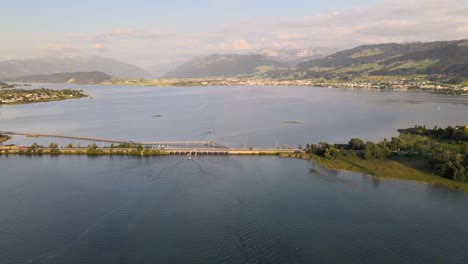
14, 68
295, 56
161, 69
443, 57
70, 77
228, 65
450, 60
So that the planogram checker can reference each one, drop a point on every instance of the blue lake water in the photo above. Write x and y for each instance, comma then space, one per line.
76, 209
239, 116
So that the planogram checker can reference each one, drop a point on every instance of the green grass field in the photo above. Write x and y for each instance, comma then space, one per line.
402, 168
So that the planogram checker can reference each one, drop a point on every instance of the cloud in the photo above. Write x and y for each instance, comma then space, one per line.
128, 34
60, 49
155, 34
242, 44
384, 21
390, 20
118, 33
99, 47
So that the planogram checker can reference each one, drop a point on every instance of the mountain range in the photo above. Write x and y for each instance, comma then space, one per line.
160, 69
295, 56
442, 57
68, 77
448, 58
226, 65
51, 65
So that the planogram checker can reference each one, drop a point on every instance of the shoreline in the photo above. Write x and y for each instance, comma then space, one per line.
42, 95
4, 151
387, 84
382, 169
41, 101
379, 169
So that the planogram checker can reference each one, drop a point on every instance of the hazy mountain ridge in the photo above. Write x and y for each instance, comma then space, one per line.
371, 53
69, 77
227, 65
441, 57
295, 56
14, 68
451, 59
161, 69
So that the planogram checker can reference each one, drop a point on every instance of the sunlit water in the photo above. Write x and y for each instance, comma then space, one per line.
75, 209
239, 116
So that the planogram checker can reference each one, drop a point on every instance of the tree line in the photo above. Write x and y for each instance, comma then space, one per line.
451, 162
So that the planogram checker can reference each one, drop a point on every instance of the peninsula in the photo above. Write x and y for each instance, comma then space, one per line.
26, 96
437, 156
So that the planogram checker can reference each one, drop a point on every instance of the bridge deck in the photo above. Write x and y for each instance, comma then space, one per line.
157, 143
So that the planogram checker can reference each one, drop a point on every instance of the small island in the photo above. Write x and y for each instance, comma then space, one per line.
26, 96
293, 121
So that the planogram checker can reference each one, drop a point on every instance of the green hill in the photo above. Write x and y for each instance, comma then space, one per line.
228, 65
69, 77
449, 60
442, 57
51, 65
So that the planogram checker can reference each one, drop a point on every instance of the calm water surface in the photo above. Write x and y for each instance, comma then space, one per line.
220, 210
239, 116
72, 209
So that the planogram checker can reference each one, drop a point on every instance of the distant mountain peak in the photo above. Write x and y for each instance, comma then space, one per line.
225, 65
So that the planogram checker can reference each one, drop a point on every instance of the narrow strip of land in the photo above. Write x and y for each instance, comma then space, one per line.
145, 151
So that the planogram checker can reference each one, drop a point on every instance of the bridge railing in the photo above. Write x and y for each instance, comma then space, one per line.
160, 143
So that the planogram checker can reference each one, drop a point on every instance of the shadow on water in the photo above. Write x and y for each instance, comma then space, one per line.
330, 176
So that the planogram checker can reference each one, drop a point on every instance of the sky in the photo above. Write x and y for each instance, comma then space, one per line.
154, 32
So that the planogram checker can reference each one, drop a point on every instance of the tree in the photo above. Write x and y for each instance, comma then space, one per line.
369, 150
312, 149
92, 146
449, 131
375, 151
356, 143
449, 166
384, 150
331, 153
395, 143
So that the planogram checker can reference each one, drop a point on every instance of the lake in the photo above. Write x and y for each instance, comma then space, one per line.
239, 116
225, 209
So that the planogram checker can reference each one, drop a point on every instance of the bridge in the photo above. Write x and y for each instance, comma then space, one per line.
162, 144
